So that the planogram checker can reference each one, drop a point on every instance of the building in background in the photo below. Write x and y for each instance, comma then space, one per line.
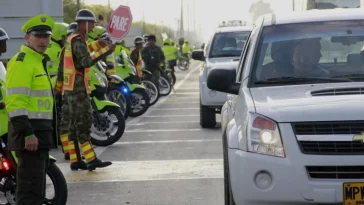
13, 16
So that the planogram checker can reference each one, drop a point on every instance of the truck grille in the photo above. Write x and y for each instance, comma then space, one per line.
331, 147
328, 128
335, 172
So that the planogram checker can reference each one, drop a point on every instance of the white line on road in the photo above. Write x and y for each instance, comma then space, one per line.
167, 141
100, 150
165, 130
121, 171
168, 122
187, 93
187, 108
171, 116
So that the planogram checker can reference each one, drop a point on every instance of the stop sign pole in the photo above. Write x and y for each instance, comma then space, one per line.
119, 23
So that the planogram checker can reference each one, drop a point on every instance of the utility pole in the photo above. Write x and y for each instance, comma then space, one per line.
181, 29
188, 21
78, 5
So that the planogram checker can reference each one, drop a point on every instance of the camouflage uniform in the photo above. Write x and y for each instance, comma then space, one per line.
152, 56
77, 106
78, 101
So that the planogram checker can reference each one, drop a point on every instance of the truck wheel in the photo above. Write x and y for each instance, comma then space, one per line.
207, 117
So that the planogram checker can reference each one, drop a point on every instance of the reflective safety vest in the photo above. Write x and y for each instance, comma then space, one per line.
169, 52
53, 51
111, 60
139, 65
28, 89
69, 70
59, 83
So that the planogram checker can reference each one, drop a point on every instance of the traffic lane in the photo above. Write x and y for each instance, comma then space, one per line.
164, 192
164, 150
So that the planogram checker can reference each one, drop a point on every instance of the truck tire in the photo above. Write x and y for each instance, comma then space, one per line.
207, 117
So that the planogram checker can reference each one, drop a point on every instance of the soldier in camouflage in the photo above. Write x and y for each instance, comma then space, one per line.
153, 56
76, 90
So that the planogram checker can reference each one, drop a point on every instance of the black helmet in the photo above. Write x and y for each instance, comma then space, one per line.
145, 37
85, 15
106, 37
138, 40
3, 35
71, 28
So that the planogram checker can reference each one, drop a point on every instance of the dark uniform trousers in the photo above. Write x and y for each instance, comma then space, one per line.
31, 176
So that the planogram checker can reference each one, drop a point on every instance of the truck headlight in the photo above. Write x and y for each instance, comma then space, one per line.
264, 136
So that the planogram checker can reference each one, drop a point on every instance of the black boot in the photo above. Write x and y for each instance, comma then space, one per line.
67, 156
96, 163
80, 164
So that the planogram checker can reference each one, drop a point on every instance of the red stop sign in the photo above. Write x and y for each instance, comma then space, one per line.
120, 22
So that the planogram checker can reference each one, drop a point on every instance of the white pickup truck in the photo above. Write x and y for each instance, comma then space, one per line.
293, 124
223, 50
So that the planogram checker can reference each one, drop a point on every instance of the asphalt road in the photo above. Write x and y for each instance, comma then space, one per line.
163, 158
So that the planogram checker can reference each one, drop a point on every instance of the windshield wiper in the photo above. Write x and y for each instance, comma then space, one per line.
290, 79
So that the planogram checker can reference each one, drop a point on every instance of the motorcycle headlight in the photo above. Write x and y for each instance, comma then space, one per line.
102, 80
125, 89
263, 136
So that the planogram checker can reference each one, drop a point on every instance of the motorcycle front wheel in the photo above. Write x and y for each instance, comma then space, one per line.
139, 102
110, 128
59, 187
164, 86
152, 91
122, 100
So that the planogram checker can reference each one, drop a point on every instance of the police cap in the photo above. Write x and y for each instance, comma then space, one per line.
85, 15
40, 24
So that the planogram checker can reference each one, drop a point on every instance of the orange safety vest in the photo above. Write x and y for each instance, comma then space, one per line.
69, 70
139, 65
59, 83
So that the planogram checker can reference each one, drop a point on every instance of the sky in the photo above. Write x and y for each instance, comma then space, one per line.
207, 13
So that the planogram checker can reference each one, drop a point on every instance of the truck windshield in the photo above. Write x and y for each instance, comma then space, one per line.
317, 52
228, 44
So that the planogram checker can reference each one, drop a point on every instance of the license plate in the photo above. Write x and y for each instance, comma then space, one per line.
353, 193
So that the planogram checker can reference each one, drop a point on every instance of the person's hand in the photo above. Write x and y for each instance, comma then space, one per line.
31, 144
102, 43
112, 47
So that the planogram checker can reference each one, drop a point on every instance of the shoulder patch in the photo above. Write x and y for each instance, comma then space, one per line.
20, 57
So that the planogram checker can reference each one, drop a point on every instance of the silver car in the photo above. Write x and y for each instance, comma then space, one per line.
224, 50
293, 125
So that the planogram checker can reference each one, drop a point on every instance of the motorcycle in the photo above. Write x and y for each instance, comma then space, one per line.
165, 85
140, 99
108, 121
118, 90
8, 162
170, 73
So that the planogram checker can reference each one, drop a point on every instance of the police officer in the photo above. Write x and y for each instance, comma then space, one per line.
145, 38
30, 105
3, 38
136, 56
171, 53
76, 89
71, 28
153, 56
55, 46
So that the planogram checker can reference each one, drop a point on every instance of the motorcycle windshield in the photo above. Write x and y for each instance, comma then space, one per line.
2, 72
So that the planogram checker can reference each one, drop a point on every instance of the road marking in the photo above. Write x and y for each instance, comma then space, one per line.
121, 171
189, 108
171, 116
168, 122
100, 150
167, 141
177, 102
165, 130
187, 93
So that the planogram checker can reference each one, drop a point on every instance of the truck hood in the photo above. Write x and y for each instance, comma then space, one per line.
297, 103
221, 62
